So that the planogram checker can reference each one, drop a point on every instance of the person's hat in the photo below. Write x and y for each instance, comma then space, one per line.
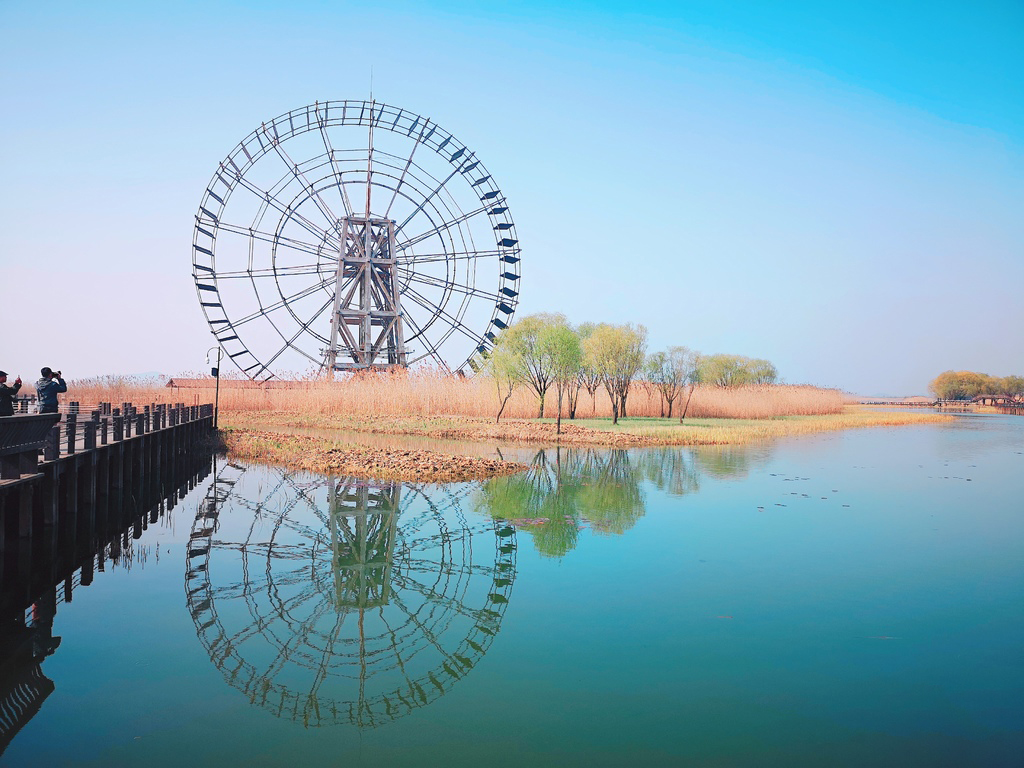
46, 372
3, 373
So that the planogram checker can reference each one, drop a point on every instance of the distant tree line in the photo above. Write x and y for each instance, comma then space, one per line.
544, 352
967, 385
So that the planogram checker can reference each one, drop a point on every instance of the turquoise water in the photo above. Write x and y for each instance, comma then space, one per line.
843, 599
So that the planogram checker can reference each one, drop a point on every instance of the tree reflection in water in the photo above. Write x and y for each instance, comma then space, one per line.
731, 461
567, 489
671, 470
338, 600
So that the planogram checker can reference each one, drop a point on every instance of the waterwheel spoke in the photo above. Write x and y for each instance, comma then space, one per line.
296, 271
427, 258
421, 336
437, 282
443, 226
426, 200
303, 328
321, 125
278, 240
264, 311
289, 213
300, 177
441, 313
405, 170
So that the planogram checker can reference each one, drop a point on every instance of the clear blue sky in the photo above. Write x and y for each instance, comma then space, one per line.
837, 187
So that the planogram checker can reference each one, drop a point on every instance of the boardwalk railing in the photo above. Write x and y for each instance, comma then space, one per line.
21, 438
88, 454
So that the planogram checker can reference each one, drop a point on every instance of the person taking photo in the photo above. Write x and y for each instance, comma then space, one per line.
47, 388
7, 394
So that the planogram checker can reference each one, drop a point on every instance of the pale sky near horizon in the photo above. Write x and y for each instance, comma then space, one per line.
836, 187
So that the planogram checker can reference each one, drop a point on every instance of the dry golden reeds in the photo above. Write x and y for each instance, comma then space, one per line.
429, 393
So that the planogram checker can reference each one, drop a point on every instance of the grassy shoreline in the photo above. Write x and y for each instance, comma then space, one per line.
630, 432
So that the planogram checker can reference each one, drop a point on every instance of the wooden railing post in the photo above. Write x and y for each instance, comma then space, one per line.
72, 431
51, 450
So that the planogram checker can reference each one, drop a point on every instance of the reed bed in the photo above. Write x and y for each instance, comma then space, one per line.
766, 402
432, 394
427, 404
121, 389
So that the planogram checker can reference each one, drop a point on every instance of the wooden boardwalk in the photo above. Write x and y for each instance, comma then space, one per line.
108, 450
1003, 404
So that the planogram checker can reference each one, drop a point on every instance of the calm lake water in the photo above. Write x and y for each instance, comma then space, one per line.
843, 599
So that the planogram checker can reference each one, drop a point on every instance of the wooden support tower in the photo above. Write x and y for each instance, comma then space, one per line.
366, 326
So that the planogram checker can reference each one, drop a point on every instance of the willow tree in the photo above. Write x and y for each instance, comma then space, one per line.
736, 371
502, 366
964, 385
525, 342
616, 352
1012, 386
561, 346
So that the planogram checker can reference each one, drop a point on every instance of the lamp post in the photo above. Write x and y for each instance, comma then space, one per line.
215, 372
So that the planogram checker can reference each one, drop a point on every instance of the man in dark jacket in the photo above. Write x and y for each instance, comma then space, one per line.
7, 394
48, 387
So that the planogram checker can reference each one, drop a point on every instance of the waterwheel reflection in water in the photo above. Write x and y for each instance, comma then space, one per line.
337, 600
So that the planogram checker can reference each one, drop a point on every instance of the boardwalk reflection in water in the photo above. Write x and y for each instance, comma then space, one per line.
39, 574
337, 600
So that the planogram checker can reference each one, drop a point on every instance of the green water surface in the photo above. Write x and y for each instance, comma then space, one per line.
845, 599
